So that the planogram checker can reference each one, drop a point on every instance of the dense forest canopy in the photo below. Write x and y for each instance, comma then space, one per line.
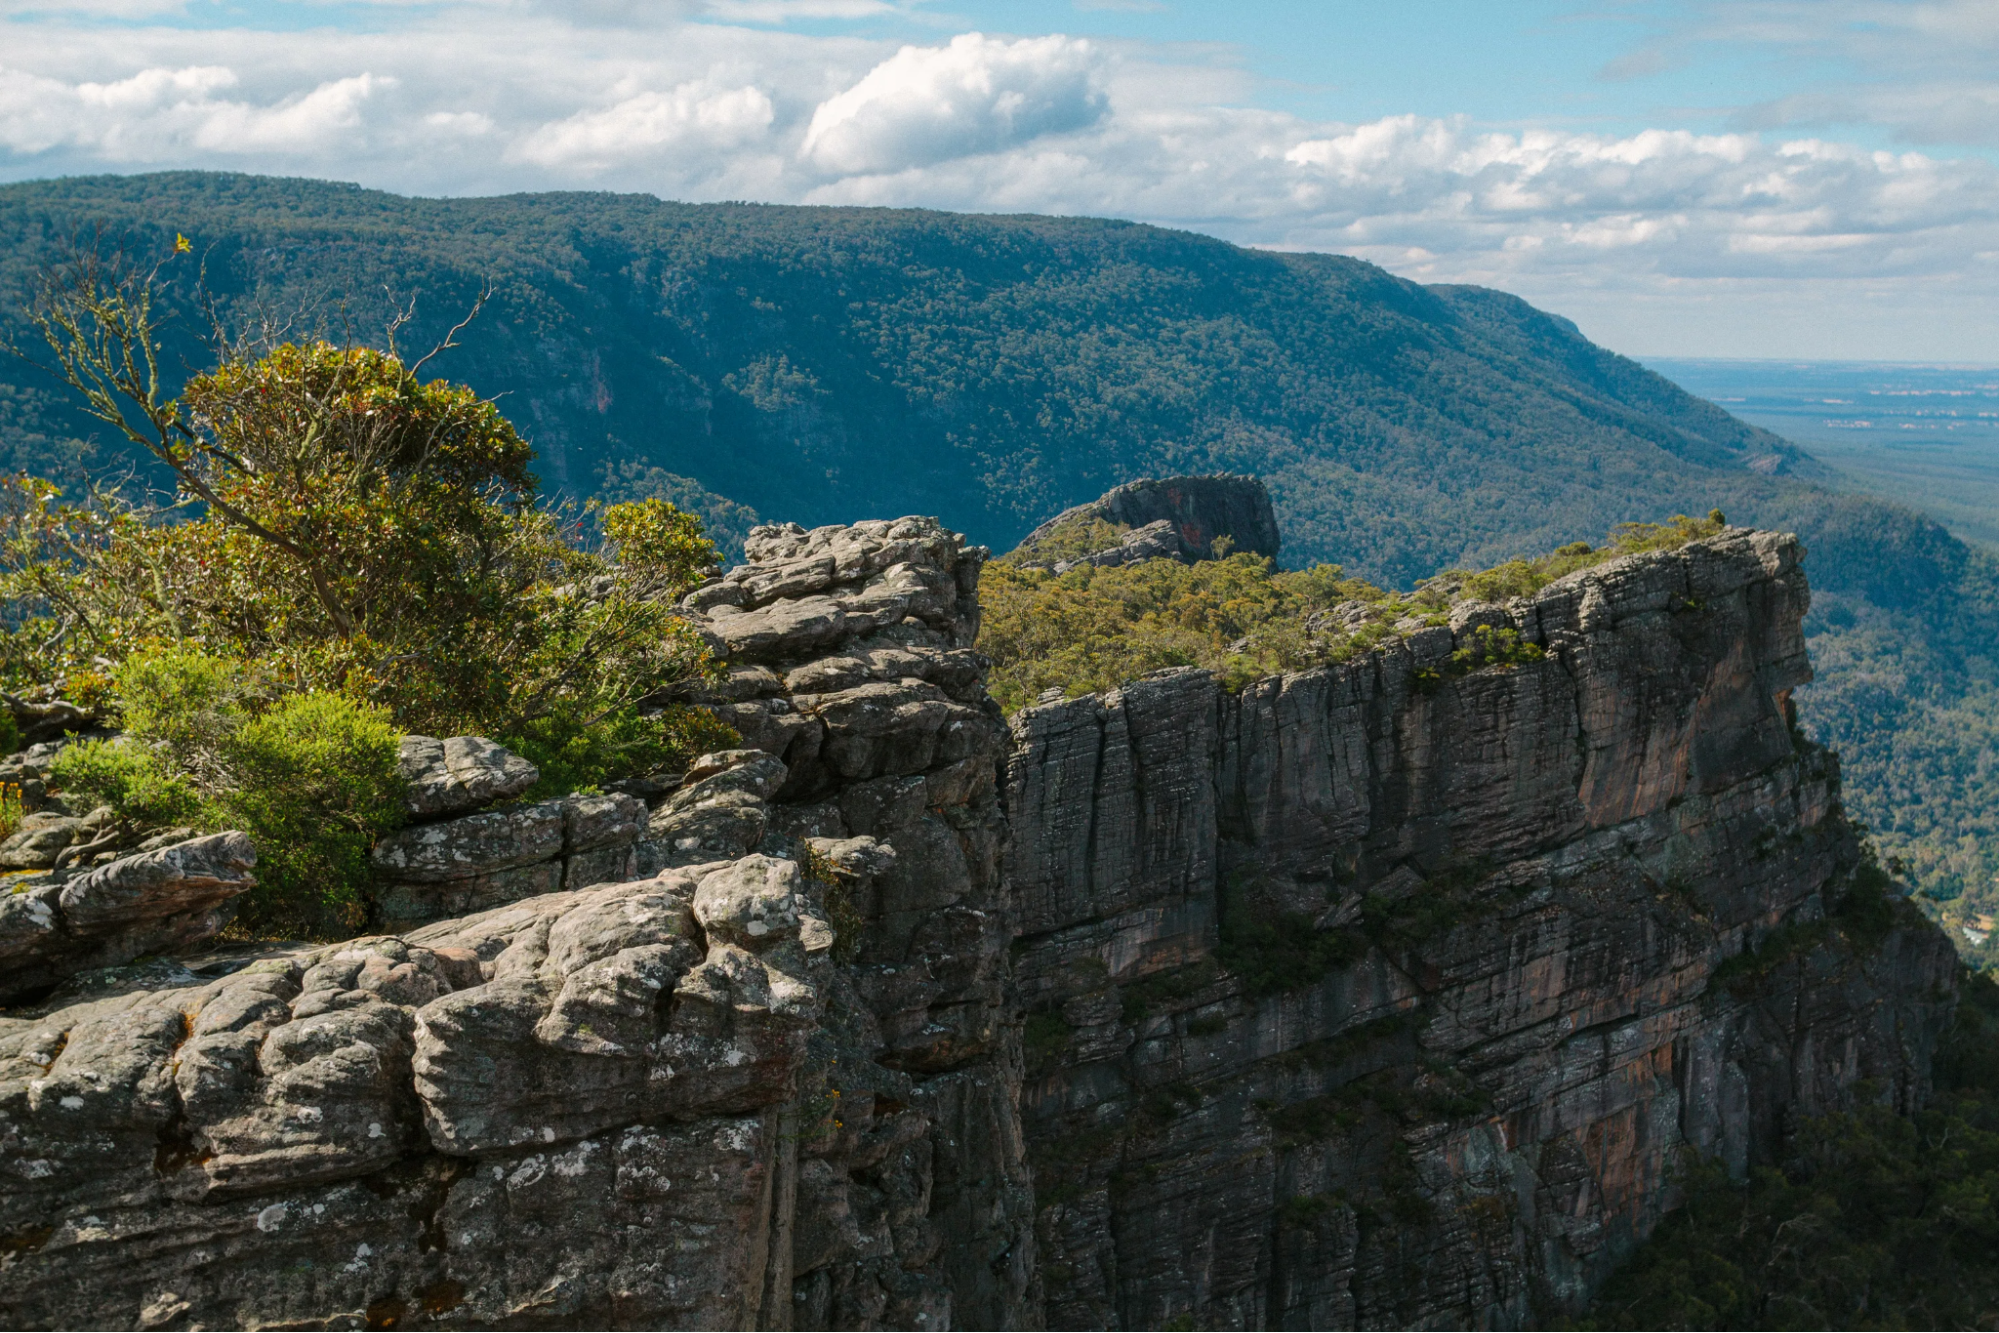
825, 364
828, 364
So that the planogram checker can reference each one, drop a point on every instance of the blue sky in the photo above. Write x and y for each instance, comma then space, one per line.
1794, 178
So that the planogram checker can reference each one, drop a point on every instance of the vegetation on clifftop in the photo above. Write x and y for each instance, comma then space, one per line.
1092, 628
350, 552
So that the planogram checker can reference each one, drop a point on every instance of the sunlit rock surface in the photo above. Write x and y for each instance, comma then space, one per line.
1535, 871
779, 1049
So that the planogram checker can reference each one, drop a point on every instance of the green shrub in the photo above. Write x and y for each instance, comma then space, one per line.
1272, 952
183, 702
1240, 616
576, 753
315, 785
10, 732
129, 777
1079, 536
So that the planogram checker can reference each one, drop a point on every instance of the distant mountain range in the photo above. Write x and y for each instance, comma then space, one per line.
827, 364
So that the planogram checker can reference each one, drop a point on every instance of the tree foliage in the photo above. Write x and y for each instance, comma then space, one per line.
351, 552
1093, 628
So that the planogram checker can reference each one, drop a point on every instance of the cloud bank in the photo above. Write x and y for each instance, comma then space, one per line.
1654, 238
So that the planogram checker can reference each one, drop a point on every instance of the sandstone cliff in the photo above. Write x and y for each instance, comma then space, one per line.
1380, 994
771, 1084
1460, 1099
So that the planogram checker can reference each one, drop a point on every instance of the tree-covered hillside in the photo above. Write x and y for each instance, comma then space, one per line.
827, 364
823, 364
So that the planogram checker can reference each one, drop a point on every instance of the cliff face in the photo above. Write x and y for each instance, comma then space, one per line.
1379, 994
771, 1084
1467, 1098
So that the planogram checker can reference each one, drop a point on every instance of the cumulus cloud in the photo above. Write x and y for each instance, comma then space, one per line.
162, 112
976, 95
642, 125
1621, 225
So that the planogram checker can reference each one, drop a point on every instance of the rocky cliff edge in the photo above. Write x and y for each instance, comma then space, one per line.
1386, 993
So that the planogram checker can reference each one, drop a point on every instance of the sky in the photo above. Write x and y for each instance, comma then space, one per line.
1811, 179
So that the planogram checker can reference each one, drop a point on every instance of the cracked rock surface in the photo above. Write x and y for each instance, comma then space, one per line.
1471, 1099
742, 1060
778, 1050
151, 902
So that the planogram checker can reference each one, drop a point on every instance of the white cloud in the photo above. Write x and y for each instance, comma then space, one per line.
163, 112
976, 95
642, 125
1634, 232
1920, 69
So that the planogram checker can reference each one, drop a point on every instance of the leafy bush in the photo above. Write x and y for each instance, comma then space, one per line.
353, 551
312, 778
1275, 952
1079, 536
1523, 578
342, 525
315, 785
1092, 629
184, 703
141, 789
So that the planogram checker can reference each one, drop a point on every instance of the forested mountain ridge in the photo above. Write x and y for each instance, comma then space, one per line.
826, 364
821, 363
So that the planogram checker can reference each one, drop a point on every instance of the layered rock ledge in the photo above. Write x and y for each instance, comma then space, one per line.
1380, 994
1538, 882
746, 1059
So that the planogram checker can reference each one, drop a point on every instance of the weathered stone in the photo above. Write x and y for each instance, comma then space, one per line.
431, 871
172, 897
472, 845
39, 840
460, 773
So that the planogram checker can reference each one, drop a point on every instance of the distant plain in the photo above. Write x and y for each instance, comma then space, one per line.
1923, 434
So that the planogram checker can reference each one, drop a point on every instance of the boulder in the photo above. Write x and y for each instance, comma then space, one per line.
1179, 517
459, 774
172, 897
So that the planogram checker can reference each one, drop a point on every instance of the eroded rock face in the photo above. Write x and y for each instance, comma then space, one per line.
456, 865
152, 902
852, 667
1176, 517
1470, 1097
1382, 994
771, 1083
429, 1114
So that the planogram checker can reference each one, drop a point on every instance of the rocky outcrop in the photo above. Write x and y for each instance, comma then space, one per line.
467, 848
571, 1109
426, 872
1380, 994
460, 774
1177, 517
1386, 994
770, 1084
155, 901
